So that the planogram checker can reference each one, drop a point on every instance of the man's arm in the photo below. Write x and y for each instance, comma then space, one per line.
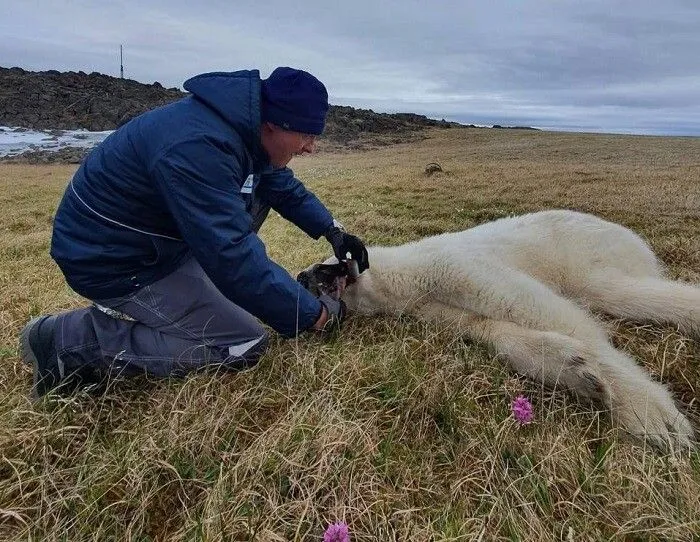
286, 194
201, 185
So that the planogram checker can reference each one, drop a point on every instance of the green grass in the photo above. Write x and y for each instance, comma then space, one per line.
398, 428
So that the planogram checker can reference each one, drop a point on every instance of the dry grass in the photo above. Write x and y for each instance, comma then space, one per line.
400, 429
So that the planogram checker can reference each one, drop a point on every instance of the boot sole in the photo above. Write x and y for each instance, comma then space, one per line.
29, 357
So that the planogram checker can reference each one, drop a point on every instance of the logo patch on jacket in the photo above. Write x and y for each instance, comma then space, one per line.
247, 187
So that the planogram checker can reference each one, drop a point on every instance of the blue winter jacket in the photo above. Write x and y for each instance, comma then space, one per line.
179, 181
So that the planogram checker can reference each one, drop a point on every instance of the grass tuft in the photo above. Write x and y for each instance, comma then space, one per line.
400, 429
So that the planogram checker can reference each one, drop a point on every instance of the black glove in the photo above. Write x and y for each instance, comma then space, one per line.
336, 311
343, 243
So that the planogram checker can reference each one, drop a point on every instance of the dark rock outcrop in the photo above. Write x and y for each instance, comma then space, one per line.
70, 100
96, 102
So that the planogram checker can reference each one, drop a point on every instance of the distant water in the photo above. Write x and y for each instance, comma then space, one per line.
16, 140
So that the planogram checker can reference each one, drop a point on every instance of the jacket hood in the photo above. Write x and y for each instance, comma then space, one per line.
236, 97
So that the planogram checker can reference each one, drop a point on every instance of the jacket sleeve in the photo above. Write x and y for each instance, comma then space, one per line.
289, 197
201, 182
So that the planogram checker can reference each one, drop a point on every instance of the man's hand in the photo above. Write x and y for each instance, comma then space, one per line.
332, 314
343, 243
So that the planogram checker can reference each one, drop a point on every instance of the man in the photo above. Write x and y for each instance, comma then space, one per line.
158, 228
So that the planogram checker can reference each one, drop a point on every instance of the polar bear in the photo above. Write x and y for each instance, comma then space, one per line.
526, 287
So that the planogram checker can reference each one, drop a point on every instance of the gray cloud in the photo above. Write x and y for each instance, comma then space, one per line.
628, 66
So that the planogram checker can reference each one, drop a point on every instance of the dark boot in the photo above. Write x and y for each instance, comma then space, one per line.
37, 348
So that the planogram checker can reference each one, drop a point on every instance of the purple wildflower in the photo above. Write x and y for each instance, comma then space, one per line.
337, 532
522, 410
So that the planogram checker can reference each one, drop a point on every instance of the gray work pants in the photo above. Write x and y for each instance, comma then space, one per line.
177, 325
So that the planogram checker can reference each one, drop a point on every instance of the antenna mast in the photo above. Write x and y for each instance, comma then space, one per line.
121, 61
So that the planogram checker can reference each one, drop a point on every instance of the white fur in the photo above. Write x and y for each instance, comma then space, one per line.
525, 285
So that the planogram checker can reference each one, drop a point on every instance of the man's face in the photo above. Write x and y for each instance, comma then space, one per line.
282, 145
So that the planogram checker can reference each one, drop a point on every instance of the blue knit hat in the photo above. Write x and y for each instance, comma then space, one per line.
294, 100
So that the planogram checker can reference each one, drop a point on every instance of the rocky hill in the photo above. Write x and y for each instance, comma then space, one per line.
72, 100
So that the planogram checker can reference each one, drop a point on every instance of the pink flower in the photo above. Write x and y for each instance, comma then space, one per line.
337, 532
522, 410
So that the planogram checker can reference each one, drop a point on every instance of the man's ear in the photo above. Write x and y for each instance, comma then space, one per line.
269, 127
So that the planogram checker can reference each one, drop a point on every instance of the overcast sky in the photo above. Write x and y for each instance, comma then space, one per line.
594, 65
